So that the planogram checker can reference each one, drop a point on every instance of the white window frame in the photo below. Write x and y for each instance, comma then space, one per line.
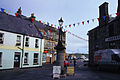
27, 42
35, 58
0, 59
18, 40
26, 58
2, 38
36, 43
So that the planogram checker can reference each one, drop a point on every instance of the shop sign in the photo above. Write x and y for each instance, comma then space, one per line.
45, 51
51, 51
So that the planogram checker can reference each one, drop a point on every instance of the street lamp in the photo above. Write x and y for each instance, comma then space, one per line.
60, 48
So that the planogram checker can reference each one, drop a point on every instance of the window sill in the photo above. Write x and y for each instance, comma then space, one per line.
35, 64
26, 64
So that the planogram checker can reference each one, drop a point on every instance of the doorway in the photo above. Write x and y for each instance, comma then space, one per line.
17, 60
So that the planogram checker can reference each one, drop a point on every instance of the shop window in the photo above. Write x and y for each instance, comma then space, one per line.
18, 41
1, 38
36, 43
0, 59
35, 58
27, 42
26, 58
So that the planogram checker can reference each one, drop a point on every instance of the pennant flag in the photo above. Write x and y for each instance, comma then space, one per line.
83, 22
98, 19
53, 29
88, 21
104, 17
43, 23
44, 32
51, 25
16, 14
92, 20
78, 23
70, 25
9, 12
66, 31
50, 30
58, 27
40, 21
55, 26
33, 19
47, 23
62, 27
65, 26
117, 14
74, 25
2, 10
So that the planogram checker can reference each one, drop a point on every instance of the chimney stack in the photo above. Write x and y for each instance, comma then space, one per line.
103, 14
118, 9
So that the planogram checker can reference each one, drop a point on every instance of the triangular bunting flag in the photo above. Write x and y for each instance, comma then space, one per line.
104, 17
55, 26
98, 19
16, 14
83, 22
51, 25
33, 19
88, 21
40, 21
78, 23
65, 26
70, 25
74, 25
47, 23
117, 14
2, 10
92, 20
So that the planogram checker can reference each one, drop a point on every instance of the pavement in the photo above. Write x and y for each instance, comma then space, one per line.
45, 73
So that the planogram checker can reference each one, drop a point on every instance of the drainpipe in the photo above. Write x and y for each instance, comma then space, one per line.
22, 50
41, 51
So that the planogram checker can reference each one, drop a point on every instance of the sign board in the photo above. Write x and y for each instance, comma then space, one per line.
70, 70
56, 71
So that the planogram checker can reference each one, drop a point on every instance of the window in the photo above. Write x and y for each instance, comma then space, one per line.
18, 41
0, 59
115, 57
36, 43
27, 42
35, 58
1, 38
26, 58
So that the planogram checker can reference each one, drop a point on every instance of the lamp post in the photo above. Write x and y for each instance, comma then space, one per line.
60, 48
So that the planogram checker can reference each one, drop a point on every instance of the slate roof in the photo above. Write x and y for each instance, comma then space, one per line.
19, 25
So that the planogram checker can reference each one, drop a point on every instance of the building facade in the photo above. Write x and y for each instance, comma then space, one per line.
50, 35
21, 45
107, 34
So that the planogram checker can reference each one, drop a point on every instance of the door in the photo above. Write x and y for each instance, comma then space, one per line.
17, 60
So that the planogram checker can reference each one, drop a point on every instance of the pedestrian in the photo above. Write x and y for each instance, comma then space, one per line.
74, 62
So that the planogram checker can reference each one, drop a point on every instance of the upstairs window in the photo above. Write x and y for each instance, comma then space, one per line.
0, 59
26, 58
36, 43
27, 42
1, 38
35, 58
18, 41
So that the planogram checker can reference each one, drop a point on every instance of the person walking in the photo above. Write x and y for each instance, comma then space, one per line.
74, 62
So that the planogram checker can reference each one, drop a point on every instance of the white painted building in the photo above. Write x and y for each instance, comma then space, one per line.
21, 44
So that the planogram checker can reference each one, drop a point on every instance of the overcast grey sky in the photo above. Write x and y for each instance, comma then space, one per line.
72, 11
